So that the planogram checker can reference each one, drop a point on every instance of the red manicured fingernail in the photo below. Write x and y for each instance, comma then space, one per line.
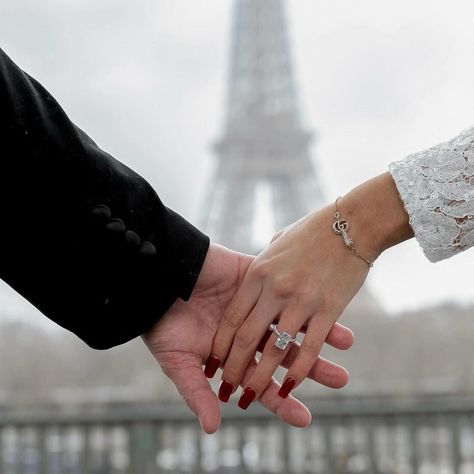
225, 391
247, 397
287, 387
212, 365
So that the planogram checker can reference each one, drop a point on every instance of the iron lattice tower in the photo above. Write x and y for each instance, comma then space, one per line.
264, 177
263, 155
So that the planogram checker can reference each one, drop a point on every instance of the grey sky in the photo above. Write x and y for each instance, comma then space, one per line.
146, 79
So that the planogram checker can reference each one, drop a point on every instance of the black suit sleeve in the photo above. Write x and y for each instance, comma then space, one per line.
82, 237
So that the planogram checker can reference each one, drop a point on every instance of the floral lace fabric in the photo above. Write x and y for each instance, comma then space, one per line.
437, 189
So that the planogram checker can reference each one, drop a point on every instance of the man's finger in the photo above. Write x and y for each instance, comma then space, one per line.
323, 371
193, 386
340, 337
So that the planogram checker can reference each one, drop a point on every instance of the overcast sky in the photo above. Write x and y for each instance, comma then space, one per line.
146, 79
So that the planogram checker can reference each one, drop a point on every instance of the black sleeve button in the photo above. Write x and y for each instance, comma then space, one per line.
132, 238
147, 248
116, 225
102, 213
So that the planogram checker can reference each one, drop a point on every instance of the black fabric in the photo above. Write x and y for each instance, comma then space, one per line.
58, 253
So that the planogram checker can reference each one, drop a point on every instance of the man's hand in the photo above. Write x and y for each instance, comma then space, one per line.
181, 342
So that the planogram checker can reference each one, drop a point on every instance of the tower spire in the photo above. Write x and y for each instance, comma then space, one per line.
261, 80
264, 176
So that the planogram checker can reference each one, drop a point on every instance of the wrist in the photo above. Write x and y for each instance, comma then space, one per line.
222, 267
377, 216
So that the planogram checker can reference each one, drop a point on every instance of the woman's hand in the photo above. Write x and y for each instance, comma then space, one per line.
304, 281
306, 277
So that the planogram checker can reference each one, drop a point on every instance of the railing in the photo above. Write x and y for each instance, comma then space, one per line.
433, 436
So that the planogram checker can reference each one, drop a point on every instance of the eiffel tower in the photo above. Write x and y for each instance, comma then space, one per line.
264, 177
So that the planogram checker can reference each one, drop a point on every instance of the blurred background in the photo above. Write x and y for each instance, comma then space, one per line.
244, 115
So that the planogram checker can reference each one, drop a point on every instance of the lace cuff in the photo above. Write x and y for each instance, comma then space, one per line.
437, 189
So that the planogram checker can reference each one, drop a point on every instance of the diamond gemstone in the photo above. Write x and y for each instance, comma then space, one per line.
283, 340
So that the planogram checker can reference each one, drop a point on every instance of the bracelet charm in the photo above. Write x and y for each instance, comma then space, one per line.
341, 227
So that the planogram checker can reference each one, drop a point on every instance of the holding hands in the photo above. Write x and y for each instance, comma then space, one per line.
301, 284
181, 341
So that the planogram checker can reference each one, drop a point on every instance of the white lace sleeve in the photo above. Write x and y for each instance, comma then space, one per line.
437, 189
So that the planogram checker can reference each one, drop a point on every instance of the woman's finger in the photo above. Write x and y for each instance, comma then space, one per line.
290, 322
308, 353
324, 371
290, 410
245, 346
241, 305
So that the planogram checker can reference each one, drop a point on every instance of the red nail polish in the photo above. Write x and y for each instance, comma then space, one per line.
287, 387
247, 397
225, 391
212, 365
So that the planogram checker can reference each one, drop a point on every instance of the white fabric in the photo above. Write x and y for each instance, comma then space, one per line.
437, 189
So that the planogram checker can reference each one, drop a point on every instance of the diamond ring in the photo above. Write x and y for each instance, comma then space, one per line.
283, 338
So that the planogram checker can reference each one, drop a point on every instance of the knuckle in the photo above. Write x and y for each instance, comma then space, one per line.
232, 374
245, 338
260, 270
307, 287
330, 304
311, 348
284, 285
234, 369
232, 319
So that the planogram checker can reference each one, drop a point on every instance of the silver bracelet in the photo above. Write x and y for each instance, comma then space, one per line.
341, 227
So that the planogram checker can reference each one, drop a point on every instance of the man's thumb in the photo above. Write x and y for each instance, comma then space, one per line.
193, 386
